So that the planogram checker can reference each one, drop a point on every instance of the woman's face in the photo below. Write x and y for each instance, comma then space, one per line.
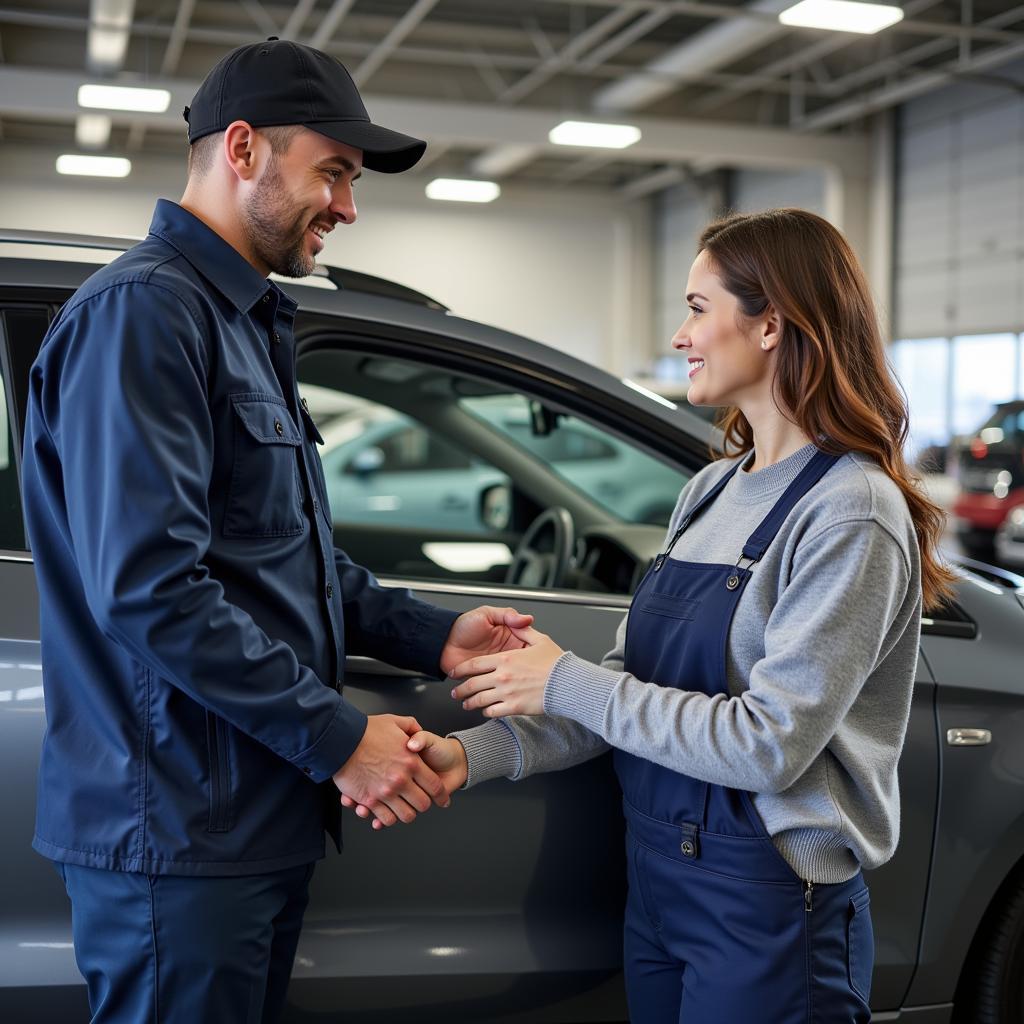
727, 364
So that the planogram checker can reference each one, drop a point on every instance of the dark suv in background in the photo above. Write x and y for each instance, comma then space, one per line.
507, 907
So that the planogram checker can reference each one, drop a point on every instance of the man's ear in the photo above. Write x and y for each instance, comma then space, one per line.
241, 149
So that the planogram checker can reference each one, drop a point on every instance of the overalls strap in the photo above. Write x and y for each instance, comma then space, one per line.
757, 543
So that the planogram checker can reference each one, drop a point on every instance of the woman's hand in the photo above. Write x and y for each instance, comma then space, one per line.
445, 757
511, 683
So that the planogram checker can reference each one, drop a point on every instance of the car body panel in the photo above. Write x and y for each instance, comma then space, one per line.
399, 916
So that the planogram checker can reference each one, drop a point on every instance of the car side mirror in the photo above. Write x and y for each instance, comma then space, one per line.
496, 507
367, 462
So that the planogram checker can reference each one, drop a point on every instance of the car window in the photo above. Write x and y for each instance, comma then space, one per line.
412, 449
438, 475
629, 483
23, 330
1003, 424
12, 530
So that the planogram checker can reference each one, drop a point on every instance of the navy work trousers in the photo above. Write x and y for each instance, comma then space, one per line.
171, 949
703, 946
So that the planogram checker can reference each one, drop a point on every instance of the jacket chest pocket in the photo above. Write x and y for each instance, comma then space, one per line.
265, 494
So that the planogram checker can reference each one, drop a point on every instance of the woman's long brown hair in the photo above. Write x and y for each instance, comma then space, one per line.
831, 368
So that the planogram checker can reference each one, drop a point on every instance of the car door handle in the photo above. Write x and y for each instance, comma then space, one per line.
968, 737
356, 665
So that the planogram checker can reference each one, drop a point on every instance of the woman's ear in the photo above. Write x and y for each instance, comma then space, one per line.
771, 329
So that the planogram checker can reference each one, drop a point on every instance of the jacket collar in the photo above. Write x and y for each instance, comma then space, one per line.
218, 261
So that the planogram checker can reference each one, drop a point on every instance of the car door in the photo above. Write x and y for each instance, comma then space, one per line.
38, 976
553, 840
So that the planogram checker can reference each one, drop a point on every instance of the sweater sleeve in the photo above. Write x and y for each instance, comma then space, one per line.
519, 746
843, 608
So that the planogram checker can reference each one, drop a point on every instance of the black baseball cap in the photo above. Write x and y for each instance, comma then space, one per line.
280, 82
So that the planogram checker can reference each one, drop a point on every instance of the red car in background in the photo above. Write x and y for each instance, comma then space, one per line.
991, 478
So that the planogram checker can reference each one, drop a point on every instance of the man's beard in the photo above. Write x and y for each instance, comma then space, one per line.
283, 249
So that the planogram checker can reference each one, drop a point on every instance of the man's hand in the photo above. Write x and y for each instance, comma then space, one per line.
447, 757
386, 777
484, 630
508, 684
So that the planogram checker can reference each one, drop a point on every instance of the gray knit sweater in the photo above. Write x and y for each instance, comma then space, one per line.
821, 661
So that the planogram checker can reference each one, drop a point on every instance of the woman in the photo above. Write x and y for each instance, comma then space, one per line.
758, 695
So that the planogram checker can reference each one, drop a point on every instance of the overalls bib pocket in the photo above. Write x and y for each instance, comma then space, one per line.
264, 499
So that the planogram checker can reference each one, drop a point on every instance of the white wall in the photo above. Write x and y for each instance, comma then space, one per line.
680, 214
753, 191
567, 268
960, 211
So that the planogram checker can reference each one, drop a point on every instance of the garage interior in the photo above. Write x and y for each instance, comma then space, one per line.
911, 140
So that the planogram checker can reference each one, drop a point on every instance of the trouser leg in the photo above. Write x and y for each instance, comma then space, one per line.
287, 927
654, 978
704, 946
171, 949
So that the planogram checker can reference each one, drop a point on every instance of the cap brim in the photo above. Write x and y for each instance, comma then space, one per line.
383, 149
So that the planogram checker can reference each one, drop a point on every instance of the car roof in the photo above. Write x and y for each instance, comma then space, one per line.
61, 261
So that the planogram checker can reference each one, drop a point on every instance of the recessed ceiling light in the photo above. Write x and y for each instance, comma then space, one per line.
841, 16
119, 97
94, 166
589, 133
92, 131
463, 190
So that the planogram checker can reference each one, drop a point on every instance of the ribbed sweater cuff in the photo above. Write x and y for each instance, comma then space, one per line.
580, 690
492, 752
822, 857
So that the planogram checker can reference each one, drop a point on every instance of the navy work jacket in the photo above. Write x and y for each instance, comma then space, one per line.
194, 611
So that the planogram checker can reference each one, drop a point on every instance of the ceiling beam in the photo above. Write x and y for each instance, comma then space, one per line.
706, 50
110, 28
179, 33
387, 46
49, 95
913, 86
331, 20
300, 12
549, 67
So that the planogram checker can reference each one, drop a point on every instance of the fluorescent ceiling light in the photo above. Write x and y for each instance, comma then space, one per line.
841, 16
92, 131
462, 190
119, 97
588, 133
94, 166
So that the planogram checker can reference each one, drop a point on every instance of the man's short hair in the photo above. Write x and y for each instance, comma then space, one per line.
203, 152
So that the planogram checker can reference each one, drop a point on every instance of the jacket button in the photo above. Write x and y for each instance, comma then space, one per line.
338, 686
330, 590
277, 337
732, 582
278, 427
686, 848
308, 771
266, 298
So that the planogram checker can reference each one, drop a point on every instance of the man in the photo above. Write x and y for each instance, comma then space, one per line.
195, 613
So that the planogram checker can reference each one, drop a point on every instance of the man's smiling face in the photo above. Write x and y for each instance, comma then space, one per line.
301, 195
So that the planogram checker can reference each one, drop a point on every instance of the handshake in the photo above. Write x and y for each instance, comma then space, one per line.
501, 665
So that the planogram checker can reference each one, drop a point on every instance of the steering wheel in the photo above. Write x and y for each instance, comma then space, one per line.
542, 557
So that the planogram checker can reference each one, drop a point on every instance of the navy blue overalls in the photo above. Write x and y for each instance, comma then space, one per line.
719, 929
